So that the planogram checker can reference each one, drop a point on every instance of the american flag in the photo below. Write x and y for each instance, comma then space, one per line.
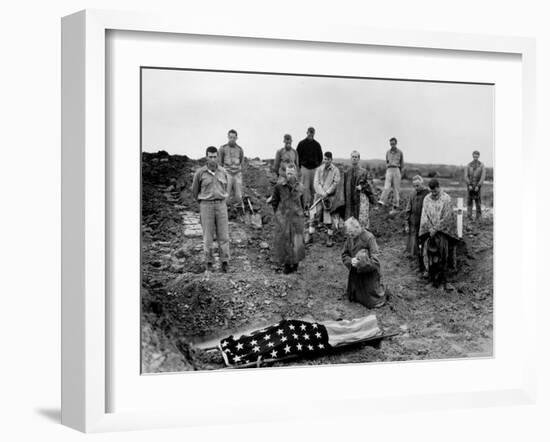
285, 340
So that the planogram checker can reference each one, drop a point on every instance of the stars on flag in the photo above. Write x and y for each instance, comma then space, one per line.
274, 342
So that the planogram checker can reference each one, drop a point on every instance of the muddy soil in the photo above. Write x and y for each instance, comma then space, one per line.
182, 311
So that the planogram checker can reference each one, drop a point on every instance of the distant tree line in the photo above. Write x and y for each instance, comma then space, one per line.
378, 170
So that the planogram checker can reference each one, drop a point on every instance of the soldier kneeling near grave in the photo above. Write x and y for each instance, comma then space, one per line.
360, 256
438, 236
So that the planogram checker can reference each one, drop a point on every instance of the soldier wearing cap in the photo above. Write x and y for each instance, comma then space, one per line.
474, 175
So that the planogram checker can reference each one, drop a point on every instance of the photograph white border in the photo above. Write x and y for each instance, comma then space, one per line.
84, 236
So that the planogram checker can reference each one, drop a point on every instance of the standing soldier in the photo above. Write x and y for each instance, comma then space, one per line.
231, 159
413, 213
285, 157
326, 182
474, 175
310, 157
357, 192
394, 166
286, 201
210, 190
437, 234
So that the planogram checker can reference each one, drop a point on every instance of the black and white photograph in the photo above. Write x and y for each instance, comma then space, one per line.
292, 219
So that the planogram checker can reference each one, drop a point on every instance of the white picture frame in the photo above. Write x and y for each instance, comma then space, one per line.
85, 214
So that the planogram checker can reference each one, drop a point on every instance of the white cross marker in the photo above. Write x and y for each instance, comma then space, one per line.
459, 209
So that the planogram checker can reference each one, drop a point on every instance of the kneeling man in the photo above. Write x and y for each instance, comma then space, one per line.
360, 256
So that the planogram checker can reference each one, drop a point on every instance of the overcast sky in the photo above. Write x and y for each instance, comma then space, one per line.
186, 111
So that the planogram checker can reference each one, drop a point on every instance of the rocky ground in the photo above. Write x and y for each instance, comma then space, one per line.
183, 312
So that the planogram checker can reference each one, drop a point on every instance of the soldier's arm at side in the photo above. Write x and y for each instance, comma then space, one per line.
277, 163
483, 173
335, 181
319, 155
195, 189
275, 198
408, 207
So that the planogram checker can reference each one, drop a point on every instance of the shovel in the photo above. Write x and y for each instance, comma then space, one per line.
255, 218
